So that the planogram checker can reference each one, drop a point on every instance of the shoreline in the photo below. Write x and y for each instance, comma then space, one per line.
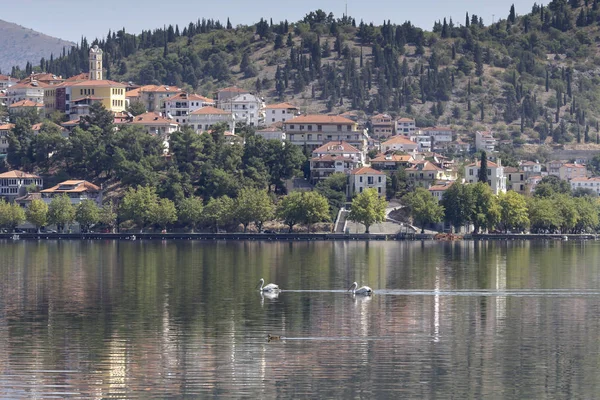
286, 237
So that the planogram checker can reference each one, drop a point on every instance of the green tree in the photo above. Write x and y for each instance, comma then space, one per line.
543, 216
11, 215
551, 185
253, 205
87, 214
423, 207
218, 211
136, 108
61, 212
37, 213
334, 189
190, 211
290, 209
138, 205
315, 208
164, 213
108, 216
514, 214
568, 216
458, 205
368, 208
587, 210
482, 174
485, 211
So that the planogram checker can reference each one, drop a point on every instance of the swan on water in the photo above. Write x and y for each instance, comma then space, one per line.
271, 287
364, 290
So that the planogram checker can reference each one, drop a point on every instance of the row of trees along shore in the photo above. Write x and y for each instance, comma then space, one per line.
143, 208
552, 208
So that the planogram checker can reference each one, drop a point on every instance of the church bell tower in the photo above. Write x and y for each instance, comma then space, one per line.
95, 63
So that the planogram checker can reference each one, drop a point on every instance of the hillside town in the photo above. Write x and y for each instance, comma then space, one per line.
367, 150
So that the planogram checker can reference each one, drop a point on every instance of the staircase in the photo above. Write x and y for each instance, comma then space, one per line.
341, 221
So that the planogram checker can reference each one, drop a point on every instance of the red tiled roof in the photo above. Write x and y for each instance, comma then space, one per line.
18, 174
25, 103
80, 186
441, 187
188, 96
392, 158
320, 119
366, 171
152, 118
103, 82
159, 89
405, 120
29, 85
336, 147
6, 127
398, 140
426, 166
281, 106
478, 164
210, 111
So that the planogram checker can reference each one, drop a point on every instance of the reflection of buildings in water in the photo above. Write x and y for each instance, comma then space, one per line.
500, 285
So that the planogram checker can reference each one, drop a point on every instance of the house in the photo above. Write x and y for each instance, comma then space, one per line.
180, 106
6, 82
153, 96
36, 128
281, 112
44, 77
4, 131
553, 167
495, 173
204, 118
438, 190
24, 106
155, 124
246, 108
485, 141
569, 171
314, 131
58, 97
14, 184
28, 89
516, 180
383, 126
424, 142
77, 190
438, 134
226, 94
399, 143
533, 181
334, 157
391, 162
405, 126
364, 178
426, 174
531, 168
273, 132
586, 183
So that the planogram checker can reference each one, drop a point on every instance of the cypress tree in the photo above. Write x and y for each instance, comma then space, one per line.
482, 175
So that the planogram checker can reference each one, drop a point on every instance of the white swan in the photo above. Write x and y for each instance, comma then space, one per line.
364, 290
271, 287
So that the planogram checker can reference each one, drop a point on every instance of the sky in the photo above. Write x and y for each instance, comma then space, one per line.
72, 19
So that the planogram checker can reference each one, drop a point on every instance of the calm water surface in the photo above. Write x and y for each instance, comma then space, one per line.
183, 319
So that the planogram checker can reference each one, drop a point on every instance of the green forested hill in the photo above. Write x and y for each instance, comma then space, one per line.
531, 78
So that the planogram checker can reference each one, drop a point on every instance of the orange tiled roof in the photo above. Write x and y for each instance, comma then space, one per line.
5, 78
405, 120
478, 164
6, 127
336, 147
574, 165
441, 187
29, 85
37, 127
366, 171
424, 166
188, 96
78, 78
80, 186
133, 93
103, 82
159, 89
210, 111
281, 106
320, 119
398, 140
25, 103
18, 174
392, 158
152, 118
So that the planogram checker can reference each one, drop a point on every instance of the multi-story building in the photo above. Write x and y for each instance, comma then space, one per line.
15, 183
495, 173
485, 141
44, 77
391, 162
4, 131
516, 180
273, 132
438, 134
405, 126
383, 126
553, 167
276, 113
313, 131
76, 190
29, 89
154, 124
531, 168
6, 82
246, 108
203, 119
24, 106
571, 171
586, 183
426, 174
153, 96
180, 106
364, 178
438, 190
334, 157
229, 93
399, 143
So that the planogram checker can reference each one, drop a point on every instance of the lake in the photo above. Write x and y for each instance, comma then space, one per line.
183, 319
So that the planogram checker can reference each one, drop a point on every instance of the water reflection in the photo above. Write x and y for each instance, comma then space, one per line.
165, 319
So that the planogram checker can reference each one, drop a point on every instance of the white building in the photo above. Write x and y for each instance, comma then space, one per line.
438, 134
366, 178
224, 95
180, 106
272, 133
30, 90
495, 174
14, 183
334, 157
246, 108
531, 168
76, 190
314, 131
438, 190
485, 141
383, 126
153, 96
281, 112
399, 143
155, 124
203, 119
6, 82
4, 131
586, 183
405, 126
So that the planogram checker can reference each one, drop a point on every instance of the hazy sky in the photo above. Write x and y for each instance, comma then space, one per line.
71, 19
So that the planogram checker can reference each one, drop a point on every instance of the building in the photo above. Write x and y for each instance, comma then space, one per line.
281, 112
391, 162
495, 173
95, 63
24, 106
438, 190
180, 106
426, 174
44, 77
586, 183
405, 126
334, 157
516, 180
4, 131
28, 89
205, 118
246, 108
6, 82
153, 96
531, 168
485, 141
273, 132
14, 184
229, 93
571, 171
383, 126
533, 181
313, 131
77, 190
155, 124
364, 178
399, 143
438, 134
553, 167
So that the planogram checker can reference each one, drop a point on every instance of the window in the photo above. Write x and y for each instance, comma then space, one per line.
301, 127
361, 189
489, 172
309, 127
319, 128
379, 189
339, 128
291, 126
360, 179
